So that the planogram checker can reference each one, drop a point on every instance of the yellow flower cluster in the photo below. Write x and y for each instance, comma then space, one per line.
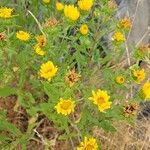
85, 4
65, 106
84, 29
71, 12
118, 36
146, 90
139, 75
48, 70
6, 12
120, 79
88, 144
23, 36
101, 99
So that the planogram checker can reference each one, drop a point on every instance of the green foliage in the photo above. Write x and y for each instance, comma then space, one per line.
7, 91
96, 59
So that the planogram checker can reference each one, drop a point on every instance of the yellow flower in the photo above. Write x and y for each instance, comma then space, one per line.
24, 36
125, 23
71, 12
48, 70
39, 50
85, 4
120, 79
139, 75
88, 144
6, 12
118, 36
59, 6
146, 90
65, 106
41, 39
101, 99
84, 29
72, 77
46, 1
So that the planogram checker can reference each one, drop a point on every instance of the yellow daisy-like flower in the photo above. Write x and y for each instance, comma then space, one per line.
125, 23
65, 106
48, 70
23, 36
84, 29
39, 50
139, 75
85, 4
41, 39
120, 79
6, 12
59, 6
118, 36
88, 144
146, 90
71, 12
46, 1
101, 99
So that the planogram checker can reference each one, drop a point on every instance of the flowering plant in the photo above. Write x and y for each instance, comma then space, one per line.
56, 61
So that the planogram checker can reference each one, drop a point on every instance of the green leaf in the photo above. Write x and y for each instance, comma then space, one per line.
7, 91
107, 125
4, 125
4, 138
51, 90
116, 113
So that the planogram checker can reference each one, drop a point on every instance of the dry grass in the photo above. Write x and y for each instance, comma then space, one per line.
128, 137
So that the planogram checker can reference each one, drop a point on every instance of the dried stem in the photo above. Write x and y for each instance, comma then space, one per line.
39, 25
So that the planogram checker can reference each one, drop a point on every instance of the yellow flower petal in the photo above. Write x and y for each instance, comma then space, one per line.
23, 36
48, 70
71, 12
65, 106
85, 4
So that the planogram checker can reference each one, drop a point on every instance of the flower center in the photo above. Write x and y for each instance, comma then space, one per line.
100, 100
121, 79
89, 147
71, 78
48, 70
85, 28
65, 105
